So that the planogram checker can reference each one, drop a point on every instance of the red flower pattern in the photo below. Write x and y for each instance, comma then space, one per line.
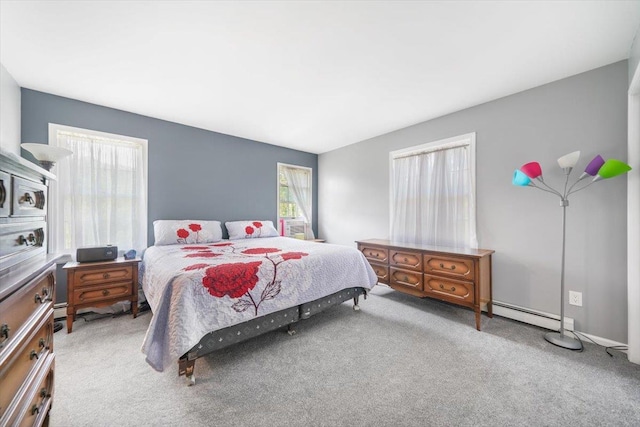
222, 244
202, 255
259, 251
249, 230
196, 267
293, 255
195, 248
195, 227
231, 279
182, 233
257, 224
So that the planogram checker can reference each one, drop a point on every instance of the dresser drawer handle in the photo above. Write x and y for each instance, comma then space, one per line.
105, 292
406, 260
38, 298
105, 275
43, 393
453, 267
453, 288
35, 410
33, 354
4, 331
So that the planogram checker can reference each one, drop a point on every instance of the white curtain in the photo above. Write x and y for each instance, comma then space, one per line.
433, 199
100, 196
299, 181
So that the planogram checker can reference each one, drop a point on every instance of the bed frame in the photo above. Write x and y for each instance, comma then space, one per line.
225, 337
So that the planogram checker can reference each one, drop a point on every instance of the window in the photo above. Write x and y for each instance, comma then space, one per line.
294, 200
433, 193
100, 196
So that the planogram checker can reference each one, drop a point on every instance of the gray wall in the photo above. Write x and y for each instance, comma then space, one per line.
587, 112
9, 112
193, 173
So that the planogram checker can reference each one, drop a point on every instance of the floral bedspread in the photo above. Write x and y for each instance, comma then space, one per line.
196, 289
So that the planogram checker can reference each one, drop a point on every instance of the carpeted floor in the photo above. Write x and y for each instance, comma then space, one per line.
401, 361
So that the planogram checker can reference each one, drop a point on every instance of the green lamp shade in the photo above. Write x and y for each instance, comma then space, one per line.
613, 167
520, 178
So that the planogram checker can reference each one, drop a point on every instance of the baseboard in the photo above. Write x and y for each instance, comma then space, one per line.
60, 311
532, 317
545, 320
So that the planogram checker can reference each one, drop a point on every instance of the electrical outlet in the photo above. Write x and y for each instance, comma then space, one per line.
575, 298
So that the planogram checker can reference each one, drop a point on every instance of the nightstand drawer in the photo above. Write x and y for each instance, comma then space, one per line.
405, 278
452, 290
459, 268
101, 293
103, 275
406, 259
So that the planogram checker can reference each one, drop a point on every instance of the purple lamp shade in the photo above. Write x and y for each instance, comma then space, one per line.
533, 169
594, 165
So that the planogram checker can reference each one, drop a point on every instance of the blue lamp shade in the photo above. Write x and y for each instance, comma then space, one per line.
520, 179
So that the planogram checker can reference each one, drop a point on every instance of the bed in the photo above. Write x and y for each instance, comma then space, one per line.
205, 297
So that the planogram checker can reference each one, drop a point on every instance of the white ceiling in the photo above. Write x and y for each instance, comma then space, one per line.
313, 76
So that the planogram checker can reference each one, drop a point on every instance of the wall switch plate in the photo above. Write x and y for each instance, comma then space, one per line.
575, 298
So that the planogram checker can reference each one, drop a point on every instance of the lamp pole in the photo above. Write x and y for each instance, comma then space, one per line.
560, 339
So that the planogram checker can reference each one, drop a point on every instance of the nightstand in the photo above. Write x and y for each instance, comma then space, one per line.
100, 284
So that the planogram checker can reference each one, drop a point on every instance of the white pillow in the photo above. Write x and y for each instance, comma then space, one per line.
171, 232
250, 229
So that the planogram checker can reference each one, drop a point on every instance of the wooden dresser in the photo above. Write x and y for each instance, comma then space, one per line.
459, 276
27, 288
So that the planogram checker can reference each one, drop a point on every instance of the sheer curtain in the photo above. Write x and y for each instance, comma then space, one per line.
432, 200
100, 196
299, 181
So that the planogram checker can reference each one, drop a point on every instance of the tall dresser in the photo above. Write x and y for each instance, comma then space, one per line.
27, 288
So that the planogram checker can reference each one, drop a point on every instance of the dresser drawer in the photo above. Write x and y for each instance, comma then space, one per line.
449, 289
375, 254
405, 278
21, 305
101, 293
460, 268
382, 271
17, 363
406, 259
29, 198
5, 194
102, 274
33, 402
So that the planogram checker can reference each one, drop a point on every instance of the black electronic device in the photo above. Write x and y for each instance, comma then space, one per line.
96, 253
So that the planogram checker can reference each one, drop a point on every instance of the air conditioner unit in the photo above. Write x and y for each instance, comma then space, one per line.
293, 227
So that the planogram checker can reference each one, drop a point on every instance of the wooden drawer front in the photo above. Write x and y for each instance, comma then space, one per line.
406, 259
33, 402
405, 278
15, 368
29, 198
103, 275
461, 268
5, 194
382, 271
21, 305
21, 237
375, 254
101, 293
453, 290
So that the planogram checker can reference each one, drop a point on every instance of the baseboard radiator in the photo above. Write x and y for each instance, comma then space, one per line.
544, 320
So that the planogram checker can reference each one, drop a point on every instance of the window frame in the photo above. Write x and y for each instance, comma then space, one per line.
52, 135
279, 218
467, 139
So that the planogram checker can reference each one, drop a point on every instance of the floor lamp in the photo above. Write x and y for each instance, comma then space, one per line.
598, 169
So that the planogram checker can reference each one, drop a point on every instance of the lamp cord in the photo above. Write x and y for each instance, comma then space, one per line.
606, 348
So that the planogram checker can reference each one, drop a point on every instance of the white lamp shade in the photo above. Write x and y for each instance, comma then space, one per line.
569, 160
45, 152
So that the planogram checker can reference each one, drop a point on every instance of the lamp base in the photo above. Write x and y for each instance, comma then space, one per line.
564, 341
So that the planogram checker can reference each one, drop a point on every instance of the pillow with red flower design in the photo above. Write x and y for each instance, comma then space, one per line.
250, 229
172, 232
